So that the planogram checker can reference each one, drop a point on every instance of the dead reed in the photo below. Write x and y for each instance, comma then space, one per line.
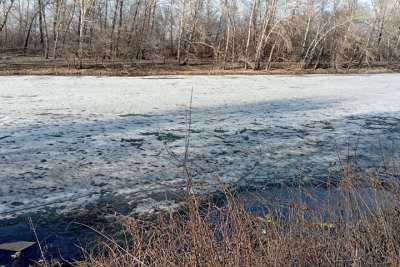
357, 223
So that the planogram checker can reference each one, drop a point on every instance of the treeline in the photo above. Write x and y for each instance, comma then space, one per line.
254, 33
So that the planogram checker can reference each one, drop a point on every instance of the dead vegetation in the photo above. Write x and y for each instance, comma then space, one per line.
72, 67
357, 223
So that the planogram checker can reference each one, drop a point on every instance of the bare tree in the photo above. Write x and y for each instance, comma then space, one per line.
85, 6
256, 33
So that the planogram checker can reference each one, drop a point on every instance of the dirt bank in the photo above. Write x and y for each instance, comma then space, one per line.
21, 65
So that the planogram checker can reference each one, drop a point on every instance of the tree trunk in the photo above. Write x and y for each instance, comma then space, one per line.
81, 26
121, 4
28, 33
41, 24
3, 24
307, 31
251, 18
181, 28
171, 25
267, 21
133, 24
114, 22
228, 31
58, 26
192, 31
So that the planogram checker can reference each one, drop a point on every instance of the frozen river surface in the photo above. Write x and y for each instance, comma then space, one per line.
65, 141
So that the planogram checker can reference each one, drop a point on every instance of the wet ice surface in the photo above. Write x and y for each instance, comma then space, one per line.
66, 141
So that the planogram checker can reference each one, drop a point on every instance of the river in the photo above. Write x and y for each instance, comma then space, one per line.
70, 142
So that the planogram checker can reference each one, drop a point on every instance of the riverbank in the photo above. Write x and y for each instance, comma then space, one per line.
20, 65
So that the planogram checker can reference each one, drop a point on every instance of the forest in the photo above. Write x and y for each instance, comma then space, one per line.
253, 34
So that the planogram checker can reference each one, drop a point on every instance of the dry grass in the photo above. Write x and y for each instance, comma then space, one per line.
347, 228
